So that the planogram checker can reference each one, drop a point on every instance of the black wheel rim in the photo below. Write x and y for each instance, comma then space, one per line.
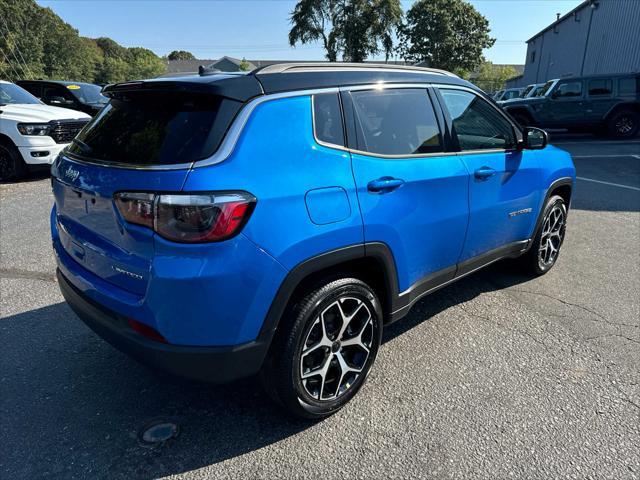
337, 348
553, 229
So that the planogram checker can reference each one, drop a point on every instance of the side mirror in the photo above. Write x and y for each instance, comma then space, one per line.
534, 138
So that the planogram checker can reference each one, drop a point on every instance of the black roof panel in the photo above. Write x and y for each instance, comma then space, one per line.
290, 77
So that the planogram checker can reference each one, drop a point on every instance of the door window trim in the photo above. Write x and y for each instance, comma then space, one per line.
342, 119
516, 130
425, 87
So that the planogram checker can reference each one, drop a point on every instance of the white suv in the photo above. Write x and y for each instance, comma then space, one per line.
32, 133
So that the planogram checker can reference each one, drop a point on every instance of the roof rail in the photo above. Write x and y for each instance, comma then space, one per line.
344, 66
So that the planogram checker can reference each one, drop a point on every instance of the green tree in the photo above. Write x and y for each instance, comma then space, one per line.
180, 55
490, 77
447, 34
244, 65
354, 29
36, 43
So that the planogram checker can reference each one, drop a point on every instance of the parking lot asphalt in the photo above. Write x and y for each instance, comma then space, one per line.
496, 376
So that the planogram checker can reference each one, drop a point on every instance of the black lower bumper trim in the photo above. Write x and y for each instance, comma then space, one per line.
208, 364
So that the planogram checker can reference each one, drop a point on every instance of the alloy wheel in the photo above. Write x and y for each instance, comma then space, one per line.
553, 230
336, 349
624, 125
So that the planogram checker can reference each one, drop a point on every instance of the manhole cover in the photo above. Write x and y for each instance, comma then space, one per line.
159, 432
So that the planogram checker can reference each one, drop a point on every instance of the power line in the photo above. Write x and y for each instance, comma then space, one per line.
17, 46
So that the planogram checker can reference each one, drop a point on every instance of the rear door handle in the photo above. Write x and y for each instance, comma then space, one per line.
384, 184
484, 172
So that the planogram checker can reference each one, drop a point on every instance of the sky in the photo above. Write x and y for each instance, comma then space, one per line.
258, 29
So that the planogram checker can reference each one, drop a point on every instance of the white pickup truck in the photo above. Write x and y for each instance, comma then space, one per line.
32, 133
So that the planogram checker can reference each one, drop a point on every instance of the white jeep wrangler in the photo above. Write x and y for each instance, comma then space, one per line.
32, 133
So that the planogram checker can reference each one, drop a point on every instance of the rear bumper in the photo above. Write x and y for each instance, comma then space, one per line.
208, 364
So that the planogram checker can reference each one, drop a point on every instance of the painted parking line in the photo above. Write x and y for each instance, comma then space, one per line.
607, 156
596, 142
609, 183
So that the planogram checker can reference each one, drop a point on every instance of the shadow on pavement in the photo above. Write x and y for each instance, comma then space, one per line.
71, 405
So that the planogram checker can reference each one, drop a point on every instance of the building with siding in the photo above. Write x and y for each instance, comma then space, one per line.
596, 37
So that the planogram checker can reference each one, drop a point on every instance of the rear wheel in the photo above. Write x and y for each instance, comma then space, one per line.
545, 249
12, 166
623, 124
327, 344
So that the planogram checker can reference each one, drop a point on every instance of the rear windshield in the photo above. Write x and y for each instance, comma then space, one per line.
151, 128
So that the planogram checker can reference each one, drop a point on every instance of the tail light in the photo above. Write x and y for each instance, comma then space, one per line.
188, 218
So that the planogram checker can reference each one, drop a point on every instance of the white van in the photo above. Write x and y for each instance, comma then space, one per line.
32, 133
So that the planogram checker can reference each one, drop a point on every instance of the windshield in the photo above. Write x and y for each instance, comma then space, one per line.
509, 94
545, 88
10, 93
527, 90
87, 93
538, 91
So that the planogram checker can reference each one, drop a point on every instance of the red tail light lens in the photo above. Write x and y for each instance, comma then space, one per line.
136, 207
189, 218
146, 331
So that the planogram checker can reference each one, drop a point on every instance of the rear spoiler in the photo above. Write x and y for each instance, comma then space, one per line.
238, 88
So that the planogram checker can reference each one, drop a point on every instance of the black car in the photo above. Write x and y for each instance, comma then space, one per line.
85, 97
600, 103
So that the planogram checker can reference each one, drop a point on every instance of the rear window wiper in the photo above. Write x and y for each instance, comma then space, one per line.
83, 146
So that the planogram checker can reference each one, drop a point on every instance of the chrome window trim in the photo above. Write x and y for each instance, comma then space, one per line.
516, 128
395, 86
313, 125
237, 126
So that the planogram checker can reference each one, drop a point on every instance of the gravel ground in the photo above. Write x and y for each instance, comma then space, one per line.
497, 376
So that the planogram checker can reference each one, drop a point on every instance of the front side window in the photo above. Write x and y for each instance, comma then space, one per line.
477, 124
396, 122
327, 118
568, 90
600, 88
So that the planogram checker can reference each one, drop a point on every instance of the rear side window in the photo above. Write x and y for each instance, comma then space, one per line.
327, 119
628, 86
396, 122
152, 128
477, 124
566, 90
599, 88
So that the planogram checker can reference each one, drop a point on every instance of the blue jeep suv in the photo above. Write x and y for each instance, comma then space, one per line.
221, 226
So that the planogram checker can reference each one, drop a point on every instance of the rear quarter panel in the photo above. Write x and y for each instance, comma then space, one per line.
278, 160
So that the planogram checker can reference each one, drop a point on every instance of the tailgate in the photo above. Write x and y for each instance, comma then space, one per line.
91, 229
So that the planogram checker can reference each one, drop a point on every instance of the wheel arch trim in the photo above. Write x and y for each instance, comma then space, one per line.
376, 251
560, 182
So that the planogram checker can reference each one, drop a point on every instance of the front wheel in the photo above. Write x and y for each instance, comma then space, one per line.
545, 249
325, 348
12, 166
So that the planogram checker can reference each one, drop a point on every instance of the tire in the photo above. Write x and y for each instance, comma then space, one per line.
623, 124
545, 249
310, 340
12, 166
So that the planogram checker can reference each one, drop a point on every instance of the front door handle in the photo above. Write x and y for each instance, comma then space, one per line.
384, 184
484, 172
